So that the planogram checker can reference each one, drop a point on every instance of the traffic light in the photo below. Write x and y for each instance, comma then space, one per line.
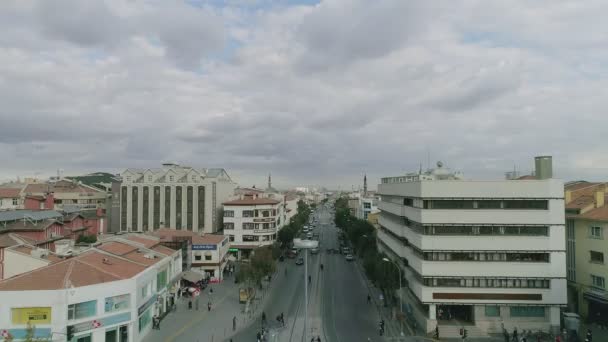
70, 332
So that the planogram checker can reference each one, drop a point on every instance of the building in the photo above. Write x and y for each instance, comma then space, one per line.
252, 221
67, 192
173, 196
486, 254
10, 199
366, 206
586, 222
107, 293
207, 254
373, 218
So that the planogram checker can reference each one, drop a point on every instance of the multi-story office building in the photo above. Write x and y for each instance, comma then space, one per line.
488, 254
252, 221
586, 222
173, 196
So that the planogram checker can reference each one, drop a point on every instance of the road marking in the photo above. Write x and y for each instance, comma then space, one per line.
191, 323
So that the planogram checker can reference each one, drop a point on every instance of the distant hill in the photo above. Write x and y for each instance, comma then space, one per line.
100, 180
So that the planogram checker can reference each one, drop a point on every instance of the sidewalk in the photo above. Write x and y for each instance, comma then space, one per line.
210, 326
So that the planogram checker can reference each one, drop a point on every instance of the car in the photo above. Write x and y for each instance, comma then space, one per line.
349, 257
314, 251
309, 235
300, 261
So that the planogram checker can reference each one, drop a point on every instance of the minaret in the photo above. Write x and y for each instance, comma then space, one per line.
269, 181
365, 185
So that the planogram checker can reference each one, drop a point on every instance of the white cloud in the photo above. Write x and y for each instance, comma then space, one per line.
313, 94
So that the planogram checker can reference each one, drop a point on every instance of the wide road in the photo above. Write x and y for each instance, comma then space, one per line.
337, 305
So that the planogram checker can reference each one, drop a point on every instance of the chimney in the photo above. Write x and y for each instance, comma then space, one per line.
599, 199
568, 196
49, 201
543, 167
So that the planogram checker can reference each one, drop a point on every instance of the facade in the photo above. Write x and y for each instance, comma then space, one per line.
586, 231
252, 221
486, 254
174, 196
10, 199
367, 205
207, 254
108, 293
67, 193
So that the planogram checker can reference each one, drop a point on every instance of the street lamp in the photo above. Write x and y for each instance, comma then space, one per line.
305, 245
400, 298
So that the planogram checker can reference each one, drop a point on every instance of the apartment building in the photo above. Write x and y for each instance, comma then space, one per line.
10, 199
174, 196
252, 221
586, 229
107, 293
484, 254
66, 192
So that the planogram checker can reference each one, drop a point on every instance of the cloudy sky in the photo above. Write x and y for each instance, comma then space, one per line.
314, 92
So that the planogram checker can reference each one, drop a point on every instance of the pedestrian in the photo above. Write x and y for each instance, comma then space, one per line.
369, 299
515, 335
190, 304
196, 304
209, 306
210, 289
318, 338
259, 336
234, 323
282, 319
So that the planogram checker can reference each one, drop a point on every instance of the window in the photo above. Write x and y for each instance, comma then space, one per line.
489, 204
596, 257
228, 213
84, 338
527, 311
198, 257
149, 178
231, 238
146, 290
247, 213
597, 281
249, 238
194, 178
266, 213
408, 202
596, 232
144, 319
15, 201
207, 257
171, 178
526, 204
128, 179
161, 280
228, 225
248, 225
82, 310
117, 303
492, 311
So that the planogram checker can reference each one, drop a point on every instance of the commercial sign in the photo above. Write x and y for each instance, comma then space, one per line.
102, 322
35, 315
265, 231
268, 219
117, 303
204, 247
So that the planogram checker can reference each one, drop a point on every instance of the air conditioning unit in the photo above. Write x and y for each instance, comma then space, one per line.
149, 256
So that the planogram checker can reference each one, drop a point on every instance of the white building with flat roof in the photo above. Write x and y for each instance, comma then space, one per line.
174, 196
252, 221
487, 254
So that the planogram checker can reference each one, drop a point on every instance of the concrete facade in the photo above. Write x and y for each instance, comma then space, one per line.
490, 254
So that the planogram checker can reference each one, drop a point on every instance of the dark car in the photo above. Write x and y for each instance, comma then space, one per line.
300, 261
281, 258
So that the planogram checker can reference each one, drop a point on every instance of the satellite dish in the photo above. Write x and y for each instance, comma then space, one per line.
439, 164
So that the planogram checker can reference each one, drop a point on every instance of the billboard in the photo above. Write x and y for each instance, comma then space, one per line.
35, 315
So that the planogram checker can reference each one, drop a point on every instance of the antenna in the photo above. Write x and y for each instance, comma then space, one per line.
428, 158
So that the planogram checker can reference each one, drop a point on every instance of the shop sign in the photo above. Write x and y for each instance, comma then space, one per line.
146, 305
102, 322
204, 247
233, 249
35, 315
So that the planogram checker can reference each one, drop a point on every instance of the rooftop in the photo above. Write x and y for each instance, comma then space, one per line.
597, 214
9, 193
167, 234
252, 201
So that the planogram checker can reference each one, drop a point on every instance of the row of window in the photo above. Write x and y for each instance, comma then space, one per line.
150, 178
486, 256
251, 225
516, 311
487, 282
199, 257
89, 308
252, 213
254, 238
156, 214
533, 204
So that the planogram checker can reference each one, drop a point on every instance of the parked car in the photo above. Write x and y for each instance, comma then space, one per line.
300, 261
314, 251
349, 257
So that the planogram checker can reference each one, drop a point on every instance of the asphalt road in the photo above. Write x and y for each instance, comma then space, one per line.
337, 305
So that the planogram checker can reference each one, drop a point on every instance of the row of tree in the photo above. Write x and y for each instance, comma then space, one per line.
262, 263
362, 236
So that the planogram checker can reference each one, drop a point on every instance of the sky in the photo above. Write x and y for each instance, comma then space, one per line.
314, 92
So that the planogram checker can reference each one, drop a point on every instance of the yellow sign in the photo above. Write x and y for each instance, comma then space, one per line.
40, 315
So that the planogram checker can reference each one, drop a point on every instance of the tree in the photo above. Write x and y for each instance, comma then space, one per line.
87, 239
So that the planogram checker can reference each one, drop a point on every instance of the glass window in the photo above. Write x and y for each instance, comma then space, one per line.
450, 204
526, 204
527, 311
247, 213
82, 310
144, 319
597, 281
492, 311
112, 335
228, 213
85, 338
489, 204
207, 257
251, 238
596, 257
228, 225
198, 257
117, 303
596, 232
231, 238
161, 280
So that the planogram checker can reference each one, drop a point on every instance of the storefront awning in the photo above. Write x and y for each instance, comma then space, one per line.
192, 277
595, 297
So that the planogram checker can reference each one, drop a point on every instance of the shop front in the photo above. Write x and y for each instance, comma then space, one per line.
597, 309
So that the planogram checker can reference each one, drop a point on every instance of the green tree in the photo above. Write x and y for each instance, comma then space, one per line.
87, 239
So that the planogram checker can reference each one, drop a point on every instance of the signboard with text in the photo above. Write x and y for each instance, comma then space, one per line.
35, 315
204, 247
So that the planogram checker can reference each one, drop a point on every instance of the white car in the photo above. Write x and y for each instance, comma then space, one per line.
309, 236
349, 257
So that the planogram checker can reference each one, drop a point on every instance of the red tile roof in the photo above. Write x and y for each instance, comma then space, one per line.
252, 201
164, 250
9, 193
117, 248
147, 242
597, 214
6, 240
208, 239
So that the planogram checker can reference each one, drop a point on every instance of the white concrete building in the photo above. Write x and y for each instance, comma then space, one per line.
108, 293
367, 205
252, 221
174, 196
485, 253
10, 199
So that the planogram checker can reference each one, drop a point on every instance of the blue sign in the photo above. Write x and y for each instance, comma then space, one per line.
21, 334
204, 247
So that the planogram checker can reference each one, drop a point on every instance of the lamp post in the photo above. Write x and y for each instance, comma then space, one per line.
400, 298
305, 245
